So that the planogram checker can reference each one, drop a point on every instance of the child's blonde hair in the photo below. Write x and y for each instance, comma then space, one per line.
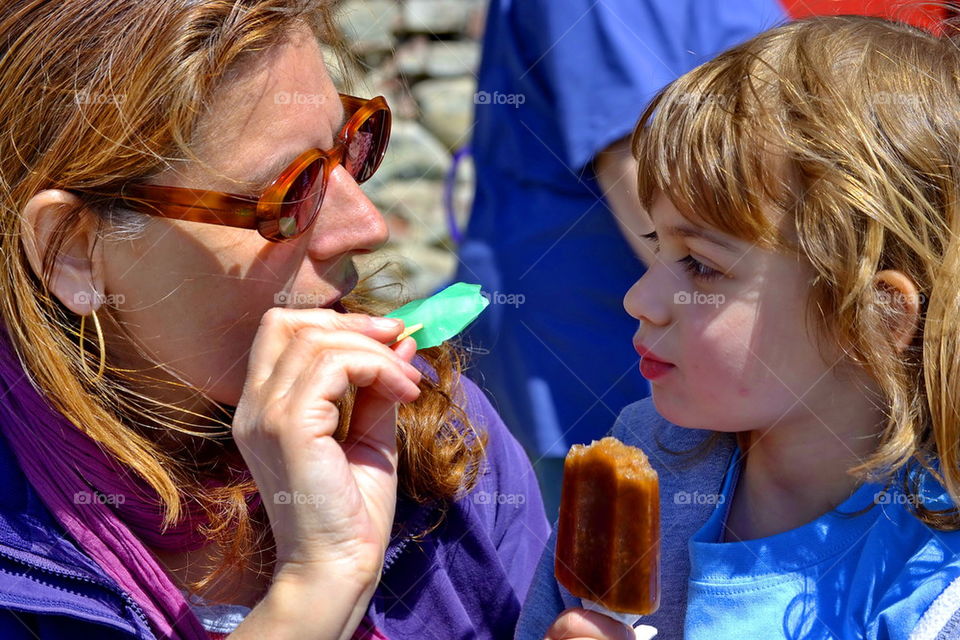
850, 127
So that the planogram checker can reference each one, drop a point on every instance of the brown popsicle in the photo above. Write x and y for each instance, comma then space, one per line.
608, 534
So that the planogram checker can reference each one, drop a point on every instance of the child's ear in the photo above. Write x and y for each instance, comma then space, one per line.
899, 297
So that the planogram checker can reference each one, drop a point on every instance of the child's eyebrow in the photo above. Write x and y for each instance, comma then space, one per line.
692, 232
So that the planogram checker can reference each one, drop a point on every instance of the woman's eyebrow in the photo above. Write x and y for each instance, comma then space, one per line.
267, 176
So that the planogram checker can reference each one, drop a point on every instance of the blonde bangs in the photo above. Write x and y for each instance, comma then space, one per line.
705, 142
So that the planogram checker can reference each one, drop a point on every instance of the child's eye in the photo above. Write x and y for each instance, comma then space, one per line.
698, 270
693, 266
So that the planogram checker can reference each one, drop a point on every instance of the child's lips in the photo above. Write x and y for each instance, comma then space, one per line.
651, 367
646, 354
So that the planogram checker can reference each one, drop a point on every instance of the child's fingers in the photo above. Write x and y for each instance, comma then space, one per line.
580, 624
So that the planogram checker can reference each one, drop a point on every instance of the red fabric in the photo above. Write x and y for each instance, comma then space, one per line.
368, 631
929, 18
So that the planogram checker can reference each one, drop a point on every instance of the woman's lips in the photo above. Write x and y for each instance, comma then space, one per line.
315, 300
652, 367
312, 301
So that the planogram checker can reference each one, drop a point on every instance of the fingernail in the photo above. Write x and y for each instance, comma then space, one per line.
387, 324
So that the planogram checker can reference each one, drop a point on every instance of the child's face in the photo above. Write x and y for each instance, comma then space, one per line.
734, 328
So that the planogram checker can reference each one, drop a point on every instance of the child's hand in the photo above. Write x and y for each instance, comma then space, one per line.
580, 624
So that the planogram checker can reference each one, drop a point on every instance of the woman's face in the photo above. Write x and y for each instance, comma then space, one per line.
192, 294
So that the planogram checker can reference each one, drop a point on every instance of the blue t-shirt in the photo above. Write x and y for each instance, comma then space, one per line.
879, 575
559, 81
883, 575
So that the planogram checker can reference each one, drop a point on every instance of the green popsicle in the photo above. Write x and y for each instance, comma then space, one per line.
444, 314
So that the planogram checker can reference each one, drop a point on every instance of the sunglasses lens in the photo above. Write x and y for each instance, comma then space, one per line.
302, 200
366, 146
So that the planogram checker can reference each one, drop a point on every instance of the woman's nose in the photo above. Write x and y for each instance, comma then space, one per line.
347, 221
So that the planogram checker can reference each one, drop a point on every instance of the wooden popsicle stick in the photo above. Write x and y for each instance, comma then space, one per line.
409, 331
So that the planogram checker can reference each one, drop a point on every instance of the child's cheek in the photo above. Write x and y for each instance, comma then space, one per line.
719, 355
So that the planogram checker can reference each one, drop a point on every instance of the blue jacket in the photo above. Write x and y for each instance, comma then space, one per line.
49, 588
466, 578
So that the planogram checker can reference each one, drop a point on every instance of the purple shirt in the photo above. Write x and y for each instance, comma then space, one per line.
465, 579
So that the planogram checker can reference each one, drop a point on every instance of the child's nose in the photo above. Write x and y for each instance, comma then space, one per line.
347, 222
648, 299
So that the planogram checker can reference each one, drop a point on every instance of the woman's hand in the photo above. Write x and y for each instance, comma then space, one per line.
580, 624
331, 505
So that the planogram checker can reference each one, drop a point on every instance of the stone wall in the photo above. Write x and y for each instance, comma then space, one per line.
422, 55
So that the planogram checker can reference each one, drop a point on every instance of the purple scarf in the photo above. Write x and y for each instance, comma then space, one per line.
110, 512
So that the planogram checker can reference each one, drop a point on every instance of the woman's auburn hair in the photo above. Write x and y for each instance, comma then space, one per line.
101, 92
848, 127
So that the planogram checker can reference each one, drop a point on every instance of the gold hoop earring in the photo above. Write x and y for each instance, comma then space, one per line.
96, 324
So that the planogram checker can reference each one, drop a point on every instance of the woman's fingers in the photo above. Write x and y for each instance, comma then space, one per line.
278, 326
580, 624
329, 374
310, 346
372, 423
333, 502
406, 348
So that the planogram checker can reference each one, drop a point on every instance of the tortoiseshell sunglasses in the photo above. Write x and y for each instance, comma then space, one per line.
290, 204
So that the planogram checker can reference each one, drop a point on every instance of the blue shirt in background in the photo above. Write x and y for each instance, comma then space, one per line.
560, 81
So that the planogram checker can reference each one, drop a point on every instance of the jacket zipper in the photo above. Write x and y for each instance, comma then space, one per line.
126, 597
403, 539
